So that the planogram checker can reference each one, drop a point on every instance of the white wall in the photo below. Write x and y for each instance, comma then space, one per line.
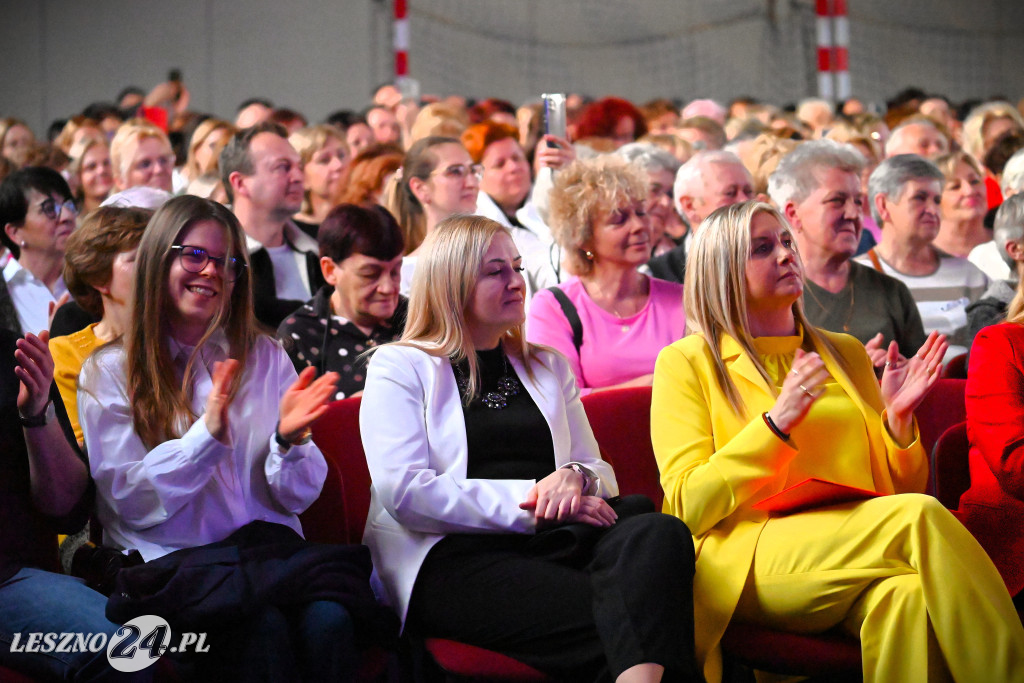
320, 55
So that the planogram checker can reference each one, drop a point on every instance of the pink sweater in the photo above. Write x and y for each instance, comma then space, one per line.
614, 349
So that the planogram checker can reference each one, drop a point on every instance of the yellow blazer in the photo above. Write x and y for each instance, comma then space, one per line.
716, 464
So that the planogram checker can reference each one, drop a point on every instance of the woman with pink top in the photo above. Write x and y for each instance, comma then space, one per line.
609, 319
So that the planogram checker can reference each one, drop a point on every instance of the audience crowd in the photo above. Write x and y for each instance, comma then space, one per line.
183, 296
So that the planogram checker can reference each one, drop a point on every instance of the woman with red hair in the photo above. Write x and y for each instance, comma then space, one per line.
611, 118
504, 190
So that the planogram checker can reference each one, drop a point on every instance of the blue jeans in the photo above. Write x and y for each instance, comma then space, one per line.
37, 601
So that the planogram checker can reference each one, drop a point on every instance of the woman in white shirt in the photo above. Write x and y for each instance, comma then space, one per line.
484, 471
196, 425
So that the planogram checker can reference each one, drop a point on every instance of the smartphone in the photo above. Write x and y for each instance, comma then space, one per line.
174, 76
554, 115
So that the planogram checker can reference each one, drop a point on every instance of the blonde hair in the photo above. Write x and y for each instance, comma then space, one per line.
446, 274
438, 120
310, 140
204, 130
583, 192
947, 163
715, 294
77, 154
126, 142
65, 140
160, 402
980, 117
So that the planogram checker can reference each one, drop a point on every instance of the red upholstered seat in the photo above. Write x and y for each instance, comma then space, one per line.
337, 435
951, 470
460, 659
942, 408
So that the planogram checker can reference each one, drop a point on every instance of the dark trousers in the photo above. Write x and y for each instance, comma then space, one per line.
631, 603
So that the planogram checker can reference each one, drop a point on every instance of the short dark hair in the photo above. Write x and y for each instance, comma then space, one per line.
255, 100
14, 203
235, 155
344, 118
350, 229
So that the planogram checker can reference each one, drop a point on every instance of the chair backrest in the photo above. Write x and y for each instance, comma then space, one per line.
951, 471
325, 520
956, 367
942, 408
621, 420
337, 435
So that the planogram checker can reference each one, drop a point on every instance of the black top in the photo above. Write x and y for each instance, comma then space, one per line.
270, 310
27, 537
312, 335
511, 443
671, 265
70, 318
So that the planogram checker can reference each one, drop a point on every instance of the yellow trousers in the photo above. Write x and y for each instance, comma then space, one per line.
902, 574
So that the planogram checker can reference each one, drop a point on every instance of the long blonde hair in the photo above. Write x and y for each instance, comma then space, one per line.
161, 404
446, 273
715, 294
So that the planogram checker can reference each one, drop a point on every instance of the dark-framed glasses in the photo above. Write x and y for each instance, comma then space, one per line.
51, 208
194, 260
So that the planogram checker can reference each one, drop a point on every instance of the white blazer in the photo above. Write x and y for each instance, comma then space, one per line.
414, 435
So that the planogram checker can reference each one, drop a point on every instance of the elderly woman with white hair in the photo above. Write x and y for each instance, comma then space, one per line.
667, 229
905, 193
817, 187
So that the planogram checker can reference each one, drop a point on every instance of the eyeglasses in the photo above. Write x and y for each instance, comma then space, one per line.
52, 208
194, 260
461, 171
164, 162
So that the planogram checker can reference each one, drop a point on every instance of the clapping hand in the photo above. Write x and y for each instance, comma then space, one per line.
35, 370
304, 401
800, 390
219, 400
906, 382
876, 353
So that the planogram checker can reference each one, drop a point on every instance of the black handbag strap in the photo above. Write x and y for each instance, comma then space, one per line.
571, 315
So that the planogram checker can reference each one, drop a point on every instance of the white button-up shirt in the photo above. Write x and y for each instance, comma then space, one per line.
195, 490
31, 296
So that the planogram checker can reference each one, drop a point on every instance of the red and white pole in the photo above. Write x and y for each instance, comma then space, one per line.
841, 63
833, 29
826, 89
401, 41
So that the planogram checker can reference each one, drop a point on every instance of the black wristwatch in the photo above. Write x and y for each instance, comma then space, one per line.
306, 437
40, 420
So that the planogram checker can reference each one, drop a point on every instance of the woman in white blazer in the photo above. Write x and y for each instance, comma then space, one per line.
490, 520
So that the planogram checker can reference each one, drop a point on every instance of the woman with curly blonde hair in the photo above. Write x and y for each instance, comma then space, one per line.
609, 319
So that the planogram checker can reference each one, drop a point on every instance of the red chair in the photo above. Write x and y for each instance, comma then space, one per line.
621, 420
337, 435
951, 471
943, 407
956, 367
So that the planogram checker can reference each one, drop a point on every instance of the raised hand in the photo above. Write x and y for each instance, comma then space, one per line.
555, 155
876, 353
800, 390
906, 382
219, 400
303, 402
35, 370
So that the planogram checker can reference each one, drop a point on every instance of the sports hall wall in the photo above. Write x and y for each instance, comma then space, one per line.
321, 55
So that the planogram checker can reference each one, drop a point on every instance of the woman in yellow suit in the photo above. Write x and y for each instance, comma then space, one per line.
757, 401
